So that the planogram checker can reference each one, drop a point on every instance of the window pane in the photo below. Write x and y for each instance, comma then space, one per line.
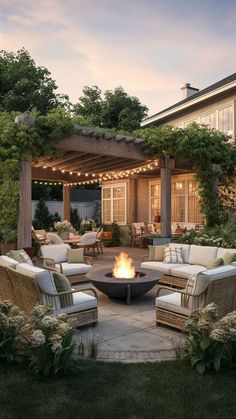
119, 192
194, 213
106, 211
155, 190
177, 188
226, 119
178, 209
155, 207
119, 210
192, 187
106, 193
209, 119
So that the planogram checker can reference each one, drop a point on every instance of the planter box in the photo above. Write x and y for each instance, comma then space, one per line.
65, 235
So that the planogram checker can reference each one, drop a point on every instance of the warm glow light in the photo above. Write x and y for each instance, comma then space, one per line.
123, 267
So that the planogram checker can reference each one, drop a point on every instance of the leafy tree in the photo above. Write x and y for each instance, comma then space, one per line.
75, 218
43, 219
24, 86
89, 107
117, 110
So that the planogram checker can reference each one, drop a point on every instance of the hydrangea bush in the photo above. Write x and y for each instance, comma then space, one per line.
210, 342
12, 323
51, 342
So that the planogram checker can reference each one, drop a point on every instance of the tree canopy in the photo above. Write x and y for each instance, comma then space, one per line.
114, 110
25, 86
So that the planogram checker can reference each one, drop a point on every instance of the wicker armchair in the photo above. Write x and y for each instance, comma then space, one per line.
215, 285
27, 294
54, 258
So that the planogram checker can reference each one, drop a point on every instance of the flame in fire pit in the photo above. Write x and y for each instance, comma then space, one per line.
123, 267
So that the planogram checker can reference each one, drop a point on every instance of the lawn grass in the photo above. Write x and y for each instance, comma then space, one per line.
115, 391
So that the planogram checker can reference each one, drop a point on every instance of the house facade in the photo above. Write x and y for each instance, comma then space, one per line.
136, 195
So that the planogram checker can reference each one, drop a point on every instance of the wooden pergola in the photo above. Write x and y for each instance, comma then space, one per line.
86, 157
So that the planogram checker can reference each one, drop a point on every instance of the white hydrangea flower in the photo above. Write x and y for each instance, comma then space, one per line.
63, 328
38, 338
50, 322
16, 321
56, 341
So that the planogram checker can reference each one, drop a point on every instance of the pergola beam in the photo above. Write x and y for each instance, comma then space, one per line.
102, 146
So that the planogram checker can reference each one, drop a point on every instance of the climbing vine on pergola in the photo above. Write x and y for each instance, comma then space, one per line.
211, 155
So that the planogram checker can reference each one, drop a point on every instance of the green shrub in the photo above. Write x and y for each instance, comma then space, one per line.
220, 236
43, 219
115, 240
75, 219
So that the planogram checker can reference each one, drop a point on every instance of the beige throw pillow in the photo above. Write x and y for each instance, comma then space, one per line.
215, 263
229, 257
75, 255
156, 253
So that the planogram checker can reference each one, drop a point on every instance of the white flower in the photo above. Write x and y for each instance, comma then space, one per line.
63, 328
56, 341
38, 338
63, 226
50, 322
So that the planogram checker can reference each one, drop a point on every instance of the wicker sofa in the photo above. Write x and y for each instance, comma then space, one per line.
27, 285
214, 285
195, 258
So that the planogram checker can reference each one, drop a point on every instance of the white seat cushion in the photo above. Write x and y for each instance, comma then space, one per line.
44, 280
202, 255
222, 251
185, 271
172, 302
8, 262
161, 266
57, 252
82, 302
74, 268
185, 250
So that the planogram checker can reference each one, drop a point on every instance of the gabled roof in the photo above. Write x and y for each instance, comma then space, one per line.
191, 99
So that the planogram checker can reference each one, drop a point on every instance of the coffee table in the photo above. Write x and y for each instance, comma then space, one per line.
123, 289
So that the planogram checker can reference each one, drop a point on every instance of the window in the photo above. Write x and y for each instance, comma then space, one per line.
178, 202
185, 205
114, 203
194, 213
209, 119
225, 119
155, 200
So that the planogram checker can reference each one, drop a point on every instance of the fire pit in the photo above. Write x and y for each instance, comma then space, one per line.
123, 282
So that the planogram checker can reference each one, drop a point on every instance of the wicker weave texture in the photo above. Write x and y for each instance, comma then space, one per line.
26, 291
6, 288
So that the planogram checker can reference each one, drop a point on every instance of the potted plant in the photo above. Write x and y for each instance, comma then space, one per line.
8, 242
63, 229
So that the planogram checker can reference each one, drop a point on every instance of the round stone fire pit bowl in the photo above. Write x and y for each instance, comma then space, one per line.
123, 289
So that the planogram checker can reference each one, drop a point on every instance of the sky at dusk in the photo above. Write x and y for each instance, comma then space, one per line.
149, 47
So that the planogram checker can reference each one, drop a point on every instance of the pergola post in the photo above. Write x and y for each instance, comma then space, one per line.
66, 201
25, 206
166, 166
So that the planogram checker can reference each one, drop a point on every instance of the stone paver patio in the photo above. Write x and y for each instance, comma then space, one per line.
128, 332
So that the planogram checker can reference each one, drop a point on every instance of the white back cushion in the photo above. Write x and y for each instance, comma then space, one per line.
57, 252
8, 262
222, 251
185, 250
44, 280
88, 238
198, 283
201, 255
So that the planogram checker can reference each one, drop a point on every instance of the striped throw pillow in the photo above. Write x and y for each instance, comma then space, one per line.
173, 255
